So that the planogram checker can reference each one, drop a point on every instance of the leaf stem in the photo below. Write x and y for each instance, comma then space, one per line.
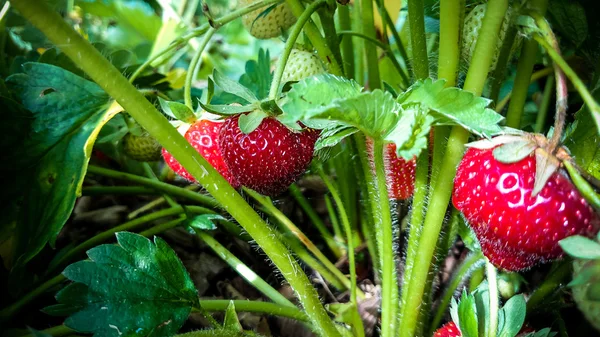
434, 218
316, 39
368, 29
112, 81
470, 263
389, 294
492, 278
191, 72
527, 59
416, 19
243, 270
316, 220
14, 308
273, 309
289, 45
158, 185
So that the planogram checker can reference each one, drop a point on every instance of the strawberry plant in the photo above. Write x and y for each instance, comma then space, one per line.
292, 168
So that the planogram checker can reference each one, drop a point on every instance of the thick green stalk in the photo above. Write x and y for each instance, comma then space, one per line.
502, 64
243, 270
158, 185
346, 44
298, 234
316, 39
260, 307
359, 46
434, 218
416, 223
492, 278
416, 19
451, 17
127, 226
112, 81
474, 260
529, 53
388, 20
289, 45
316, 220
194, 63
389, 293
368, 29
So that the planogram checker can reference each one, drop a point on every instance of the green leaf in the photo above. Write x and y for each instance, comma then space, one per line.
334, 137
481, 296
584, 143
204, 221
67, 112
569, 19
233, 87
135, 288
580, 247
251, 121
592, 292
226, 110
258, 75
231, 321
467, 313
454, 106
411, 133
513, 314
177, 110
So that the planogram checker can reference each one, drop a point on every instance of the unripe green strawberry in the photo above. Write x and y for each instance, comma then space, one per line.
471, 28
141, 148
301, 64
589, 308
278, 19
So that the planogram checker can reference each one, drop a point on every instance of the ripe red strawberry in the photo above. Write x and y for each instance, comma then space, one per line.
400, 174
448, 330
515, 229
268, 159
204, 137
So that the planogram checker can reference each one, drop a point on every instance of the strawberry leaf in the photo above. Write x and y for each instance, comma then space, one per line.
258, 75
511, 317
135, 288
177, 110
411, 131
467, 316
233, 87
453, 106
67, 112
580, 247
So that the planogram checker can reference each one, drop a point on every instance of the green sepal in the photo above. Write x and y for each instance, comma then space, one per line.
580, 247
227, 110
512, 316
513, 152
231, 321
251, 121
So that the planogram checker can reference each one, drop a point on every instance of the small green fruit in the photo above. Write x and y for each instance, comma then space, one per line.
278, 19
141, 148
301, 64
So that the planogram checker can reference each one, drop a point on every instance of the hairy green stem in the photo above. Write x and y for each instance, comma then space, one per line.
243, 270
316, 39
492, 278
389, 293
540, 120
470, 263
346, 44
416, 19
387, 51
298, 234
273, 309
194, 63
434, 218
112, 81
289, 45
368, 29
14, 308
316, 220
529, 53
158, 185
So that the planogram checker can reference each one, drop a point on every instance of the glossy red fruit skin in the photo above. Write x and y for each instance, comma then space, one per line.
399, 173
448, 330
517, 231
268, 159
204, 137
